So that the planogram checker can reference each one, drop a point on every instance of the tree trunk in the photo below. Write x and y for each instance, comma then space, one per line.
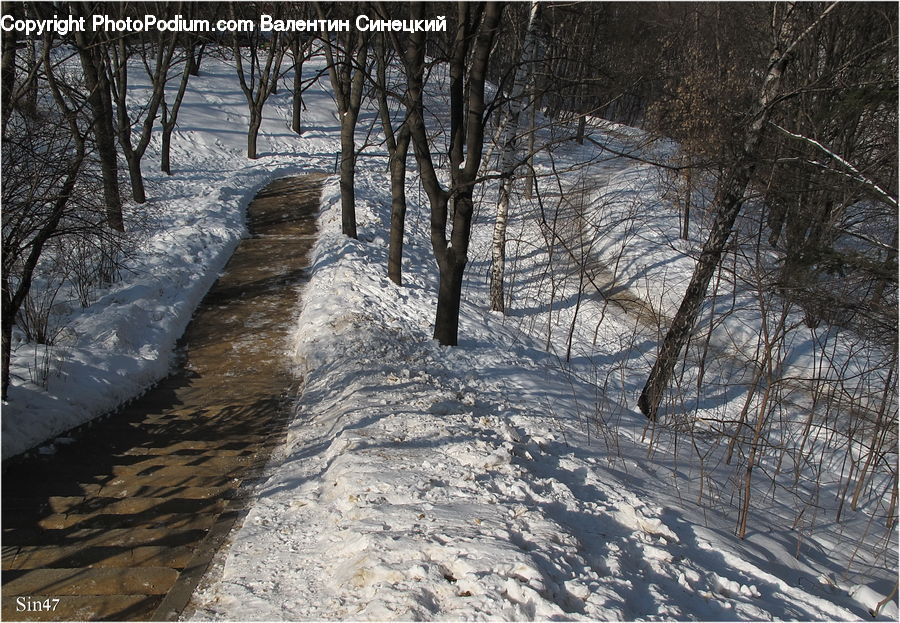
170, 118
452, 265
8, 67
261, 80
731, 200
134, 153
498, 250
398, 207
164, 158
451, 255
357, 65
196, 56
106, 147
348, 174
455, 255
579, 136
347, 75
297, 99
6, 320
446, 321
398, 149
137, 179
532, 123
686, 221
253, 133
509, 159
680, 330
100, 103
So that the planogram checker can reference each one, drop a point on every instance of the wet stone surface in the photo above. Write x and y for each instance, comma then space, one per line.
122, 523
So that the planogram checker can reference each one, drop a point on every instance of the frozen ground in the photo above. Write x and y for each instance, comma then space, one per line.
425, 483
123, 342
487, 481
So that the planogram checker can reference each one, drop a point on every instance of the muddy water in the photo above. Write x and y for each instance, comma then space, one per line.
122, 523
239, 335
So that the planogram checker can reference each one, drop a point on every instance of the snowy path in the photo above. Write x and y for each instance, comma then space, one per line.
124, 520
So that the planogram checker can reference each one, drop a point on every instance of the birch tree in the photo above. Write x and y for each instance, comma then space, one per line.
509, 155
730, 199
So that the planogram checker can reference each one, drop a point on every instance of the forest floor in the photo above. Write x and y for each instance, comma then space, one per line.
508, 478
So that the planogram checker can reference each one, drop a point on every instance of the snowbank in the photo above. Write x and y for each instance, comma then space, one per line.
427, 483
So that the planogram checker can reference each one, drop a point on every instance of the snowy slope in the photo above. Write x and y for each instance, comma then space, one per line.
420, 482
487, 481
123, 342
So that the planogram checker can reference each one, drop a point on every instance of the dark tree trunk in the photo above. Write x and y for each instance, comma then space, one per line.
137, 179
104, 133
163, 49
446, 321
253, 133
686, 217
398, 207
348, 174
579, 136
261, 80
731, 198
451, 255
8, 68
398, 148
297, 99
680, 330
165, 164
170, 117
7, 325
455, 255
100, 104
196, 56
347, 74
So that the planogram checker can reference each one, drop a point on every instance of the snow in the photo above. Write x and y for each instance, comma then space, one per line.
493, 480
420, 482
123, 342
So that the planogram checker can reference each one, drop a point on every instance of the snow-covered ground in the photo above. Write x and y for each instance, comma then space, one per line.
123, 342
420, 482
493, 480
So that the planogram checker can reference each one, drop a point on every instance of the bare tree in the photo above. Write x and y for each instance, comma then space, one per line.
162, 50
509, 156
347, 68
8, 66
262, 79
397, 141
730, 201
91, 51
169, 118
43, 159
466, 96
297, 92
